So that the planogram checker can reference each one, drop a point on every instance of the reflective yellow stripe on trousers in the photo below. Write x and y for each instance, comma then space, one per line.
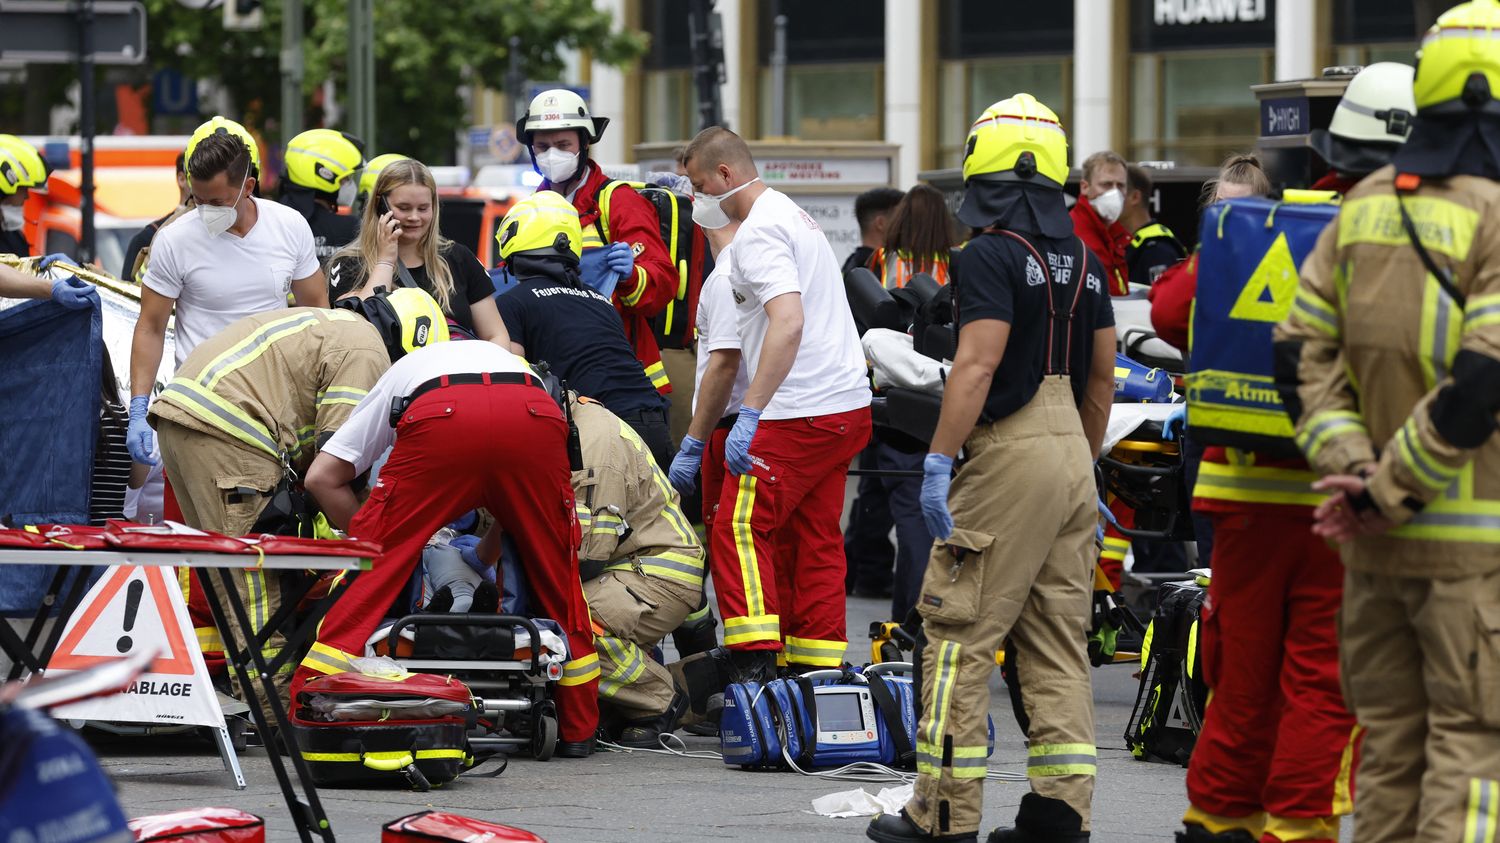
929, 745
580, 670
811, 651
755, 625
1061, 759
1484, 801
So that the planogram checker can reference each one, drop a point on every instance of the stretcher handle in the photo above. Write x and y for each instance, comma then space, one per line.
1149, 470
461, 619
890, 668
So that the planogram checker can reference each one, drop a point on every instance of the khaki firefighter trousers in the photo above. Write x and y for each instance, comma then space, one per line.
636, 611
1019, 564
223, 486
1420, 661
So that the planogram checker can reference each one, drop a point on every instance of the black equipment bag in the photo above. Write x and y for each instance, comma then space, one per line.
1169, 706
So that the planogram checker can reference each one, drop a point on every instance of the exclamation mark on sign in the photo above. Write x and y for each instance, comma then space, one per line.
133, 593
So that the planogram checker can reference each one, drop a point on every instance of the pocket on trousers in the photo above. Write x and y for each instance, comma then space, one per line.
955, 577
243, 499
1487, 668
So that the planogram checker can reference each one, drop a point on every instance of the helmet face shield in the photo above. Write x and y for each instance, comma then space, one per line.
323, 160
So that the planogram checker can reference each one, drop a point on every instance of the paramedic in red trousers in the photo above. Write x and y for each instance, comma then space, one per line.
1096, 217
1275, 758
778, 556
472, 426
1028, 400
624, 257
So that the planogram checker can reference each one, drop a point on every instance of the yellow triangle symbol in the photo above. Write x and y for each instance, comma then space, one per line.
1277, 275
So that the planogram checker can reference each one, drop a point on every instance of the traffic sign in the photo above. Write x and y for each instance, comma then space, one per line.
46, 31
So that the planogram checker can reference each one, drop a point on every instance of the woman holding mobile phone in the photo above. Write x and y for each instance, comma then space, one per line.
399, 245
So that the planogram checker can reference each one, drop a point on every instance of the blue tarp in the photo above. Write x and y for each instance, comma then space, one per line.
50, 360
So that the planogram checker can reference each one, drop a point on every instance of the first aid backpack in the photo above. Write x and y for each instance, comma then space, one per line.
355, 729
1249, 253
1173, 693
426, 826
686, 246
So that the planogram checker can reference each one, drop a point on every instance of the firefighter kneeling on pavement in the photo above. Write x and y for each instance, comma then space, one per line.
1028, 400
642, 569
1393, 348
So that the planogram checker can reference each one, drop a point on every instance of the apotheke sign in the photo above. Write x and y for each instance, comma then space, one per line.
1189, 12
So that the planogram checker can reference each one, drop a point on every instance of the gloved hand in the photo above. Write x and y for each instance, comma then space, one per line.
46, 263
140, 438
594, 271
73, 293
937, 477
1174, 424
685, 465
620, 259
468, 548
737, 446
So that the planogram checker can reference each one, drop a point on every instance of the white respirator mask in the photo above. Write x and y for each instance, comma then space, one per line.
707, 210
557, 166
12, 217
220, 218
1109, 204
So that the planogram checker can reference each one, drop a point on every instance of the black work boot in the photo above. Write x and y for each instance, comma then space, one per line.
696, 634
1194, 833
574, 749
1042, 819
744, 666
898, 828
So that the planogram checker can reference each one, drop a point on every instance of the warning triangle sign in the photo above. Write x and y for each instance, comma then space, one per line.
1267, 294
1177, 715
134, 609
128, 611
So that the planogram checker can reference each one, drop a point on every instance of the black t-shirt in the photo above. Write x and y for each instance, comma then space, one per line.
1153, 257
580, 336
471, 283
859, 257
14, 243
331, 232
1002, 280
141, 240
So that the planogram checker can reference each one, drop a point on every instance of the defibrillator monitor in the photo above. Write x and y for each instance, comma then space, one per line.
846, 715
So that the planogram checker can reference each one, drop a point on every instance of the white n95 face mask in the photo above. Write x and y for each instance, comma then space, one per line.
220, 218
1109, 204
12, 217
707, 210
557, 166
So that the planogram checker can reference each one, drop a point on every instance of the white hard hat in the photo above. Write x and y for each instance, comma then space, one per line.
1378, 105
559, 108
1373, 118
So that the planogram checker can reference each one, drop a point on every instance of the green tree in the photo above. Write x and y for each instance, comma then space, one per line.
424, 52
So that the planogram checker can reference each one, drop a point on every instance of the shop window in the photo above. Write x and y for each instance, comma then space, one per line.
828, 102
669, 105
1195, 109
968, 88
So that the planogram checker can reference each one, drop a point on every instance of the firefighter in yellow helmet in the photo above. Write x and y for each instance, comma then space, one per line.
1027, 400
21, 169
1390, 366
321, 172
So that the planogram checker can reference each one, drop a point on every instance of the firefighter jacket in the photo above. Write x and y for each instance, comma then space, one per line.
629, 514
278, 383
631, 220
1394, 377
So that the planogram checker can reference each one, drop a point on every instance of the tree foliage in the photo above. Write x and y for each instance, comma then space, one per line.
424, 53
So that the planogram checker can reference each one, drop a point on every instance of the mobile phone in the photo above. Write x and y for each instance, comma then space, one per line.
381, 208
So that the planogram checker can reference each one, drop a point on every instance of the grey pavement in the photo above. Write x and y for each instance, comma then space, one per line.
642, 797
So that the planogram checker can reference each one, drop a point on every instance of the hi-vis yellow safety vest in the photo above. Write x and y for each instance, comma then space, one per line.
1247, 278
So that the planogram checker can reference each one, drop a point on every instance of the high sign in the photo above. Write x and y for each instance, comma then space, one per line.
46, 31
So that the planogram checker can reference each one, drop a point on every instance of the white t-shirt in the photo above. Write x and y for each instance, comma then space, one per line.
718, 328
217, 280
780, 249
368, 432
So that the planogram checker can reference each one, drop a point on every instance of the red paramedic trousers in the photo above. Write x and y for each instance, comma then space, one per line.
499, 446
776, 550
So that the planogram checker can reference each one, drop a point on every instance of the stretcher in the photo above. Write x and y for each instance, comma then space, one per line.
78, 550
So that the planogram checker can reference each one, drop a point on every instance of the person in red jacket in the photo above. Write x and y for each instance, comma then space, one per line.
624, 256
1275, 757
1101, 199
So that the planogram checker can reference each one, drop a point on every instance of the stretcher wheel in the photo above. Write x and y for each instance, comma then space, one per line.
236, 729
544, 737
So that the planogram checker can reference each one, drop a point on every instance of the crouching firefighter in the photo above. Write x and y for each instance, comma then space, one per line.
469, 425
642, 569
250, 407
1027, 400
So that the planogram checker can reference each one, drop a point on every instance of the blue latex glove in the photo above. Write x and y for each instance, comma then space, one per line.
1172, 427
46, 263
74, 294
737, 446
140, 438
594, 271
937, 477
468, 548
620, 259
685, 465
